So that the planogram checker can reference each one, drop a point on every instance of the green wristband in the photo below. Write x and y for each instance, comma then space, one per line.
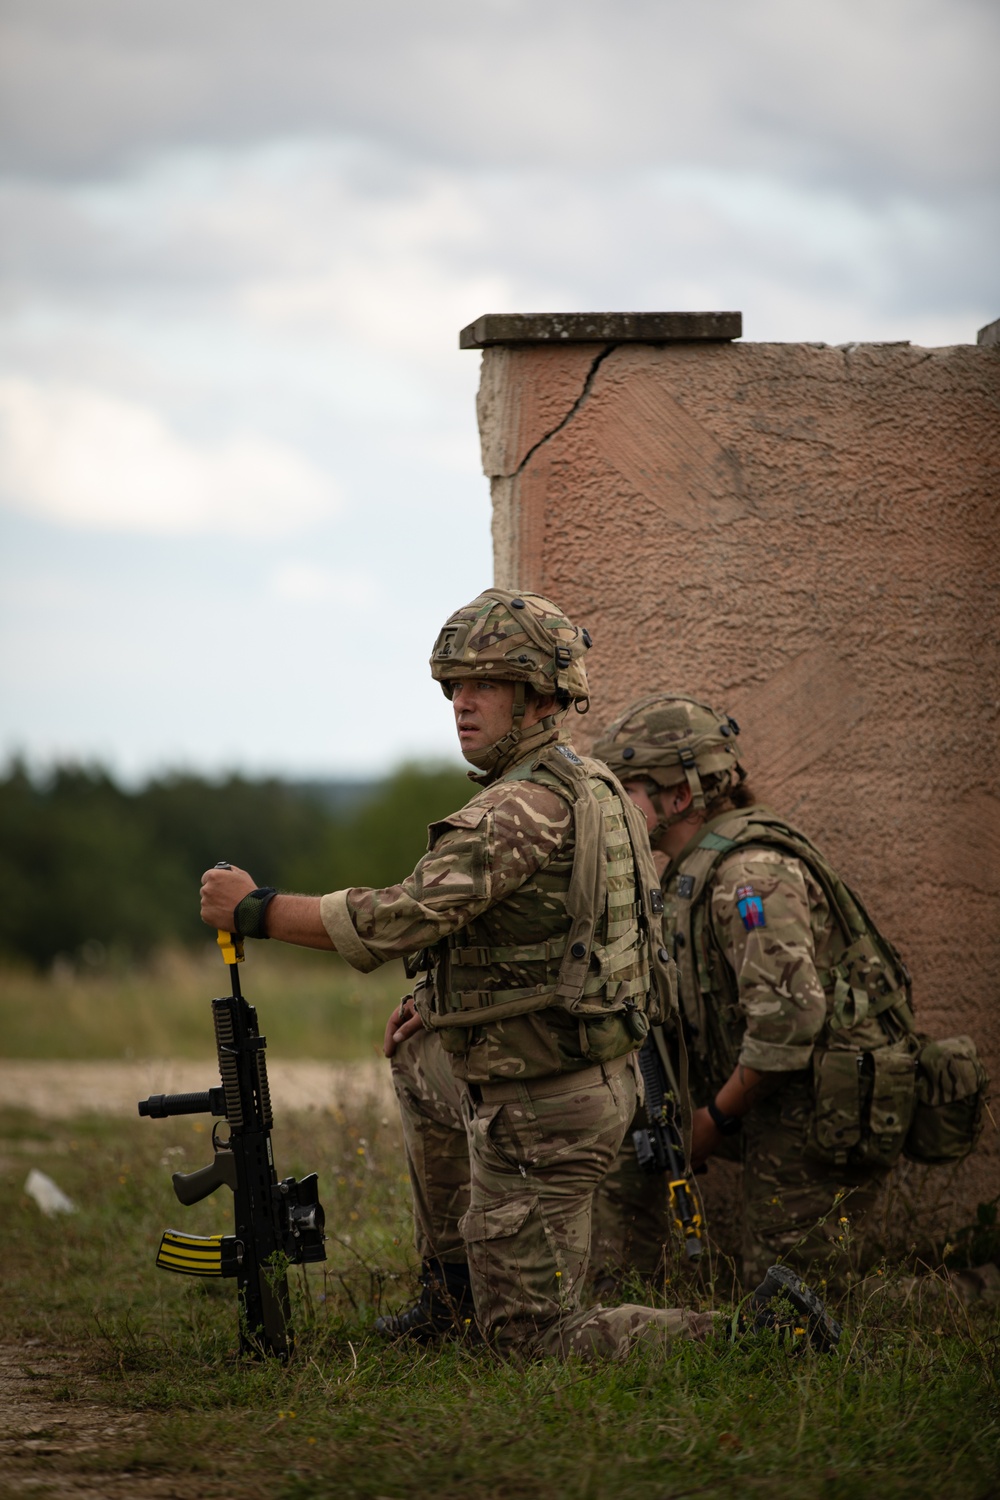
248, 915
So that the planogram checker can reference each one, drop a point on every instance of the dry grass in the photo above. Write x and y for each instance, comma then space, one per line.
312, 1005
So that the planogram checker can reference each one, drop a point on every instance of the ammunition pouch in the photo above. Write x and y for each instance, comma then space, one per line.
863, 1104
951, 1085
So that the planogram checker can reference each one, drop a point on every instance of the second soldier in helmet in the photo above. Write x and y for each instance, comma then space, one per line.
795, 1008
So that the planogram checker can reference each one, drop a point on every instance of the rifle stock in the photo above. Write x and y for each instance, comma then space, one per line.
276, 1223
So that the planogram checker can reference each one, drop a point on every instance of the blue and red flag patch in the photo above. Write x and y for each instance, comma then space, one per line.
750, 907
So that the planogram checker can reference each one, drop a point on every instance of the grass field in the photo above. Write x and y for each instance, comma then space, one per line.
140, 1363
908, 1407
313, 1005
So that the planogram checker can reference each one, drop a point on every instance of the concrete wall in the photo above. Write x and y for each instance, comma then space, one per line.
807, 537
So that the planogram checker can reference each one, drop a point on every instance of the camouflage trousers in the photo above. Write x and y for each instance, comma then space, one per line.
814, 1217
504, 1176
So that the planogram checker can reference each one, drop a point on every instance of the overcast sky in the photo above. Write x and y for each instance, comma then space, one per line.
239, 471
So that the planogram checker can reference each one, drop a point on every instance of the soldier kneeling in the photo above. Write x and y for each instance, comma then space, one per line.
804, 1056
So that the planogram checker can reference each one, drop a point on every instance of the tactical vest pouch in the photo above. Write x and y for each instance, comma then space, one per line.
837, 1098
951, 1085
863, 1104
888, 1090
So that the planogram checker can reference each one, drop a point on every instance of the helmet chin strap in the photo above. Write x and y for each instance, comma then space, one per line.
690, 766
491, 760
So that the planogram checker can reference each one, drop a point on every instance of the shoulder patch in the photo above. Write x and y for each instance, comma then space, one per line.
570, 754
750, 907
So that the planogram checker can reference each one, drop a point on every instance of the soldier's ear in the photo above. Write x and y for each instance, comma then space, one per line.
682, 797
541, 707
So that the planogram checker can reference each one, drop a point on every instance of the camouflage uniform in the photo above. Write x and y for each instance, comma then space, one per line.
769, 981
510, 1124
528, 922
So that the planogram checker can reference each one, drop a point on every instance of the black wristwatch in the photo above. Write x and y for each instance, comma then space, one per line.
727, 1124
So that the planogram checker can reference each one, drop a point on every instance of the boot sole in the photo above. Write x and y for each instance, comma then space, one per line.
824, 1330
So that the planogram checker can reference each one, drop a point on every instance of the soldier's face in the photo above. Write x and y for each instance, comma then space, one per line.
639, 793
483, 712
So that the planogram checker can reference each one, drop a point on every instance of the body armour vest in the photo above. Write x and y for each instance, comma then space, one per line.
583, 933
866, 983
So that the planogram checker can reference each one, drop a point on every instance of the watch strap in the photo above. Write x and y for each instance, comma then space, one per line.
727, 1124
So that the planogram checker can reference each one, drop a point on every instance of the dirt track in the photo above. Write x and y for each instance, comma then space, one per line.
58, 1090
51, 1429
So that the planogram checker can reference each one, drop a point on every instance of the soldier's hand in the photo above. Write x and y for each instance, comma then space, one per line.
403, 1022
221, 892
706, 1137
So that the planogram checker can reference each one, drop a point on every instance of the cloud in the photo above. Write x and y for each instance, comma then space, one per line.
96, 461
850, 91
376, 261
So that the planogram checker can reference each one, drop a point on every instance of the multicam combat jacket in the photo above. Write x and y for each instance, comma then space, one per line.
533, 919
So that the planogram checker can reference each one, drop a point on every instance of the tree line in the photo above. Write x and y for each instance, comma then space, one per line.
89, 867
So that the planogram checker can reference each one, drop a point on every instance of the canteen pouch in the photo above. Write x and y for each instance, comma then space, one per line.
951, 1085
863, 1104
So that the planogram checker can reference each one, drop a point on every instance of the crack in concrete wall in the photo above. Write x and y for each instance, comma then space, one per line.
574, 409
518, 419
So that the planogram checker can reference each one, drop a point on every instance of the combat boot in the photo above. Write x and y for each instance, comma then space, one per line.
443, 1310
799, 1313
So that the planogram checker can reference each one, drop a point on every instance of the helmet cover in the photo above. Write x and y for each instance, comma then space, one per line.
669, 738
514, 637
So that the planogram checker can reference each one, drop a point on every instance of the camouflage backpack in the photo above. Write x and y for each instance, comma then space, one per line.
878, 1091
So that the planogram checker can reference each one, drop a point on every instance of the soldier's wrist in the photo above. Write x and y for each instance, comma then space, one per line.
249, 915
725, 1124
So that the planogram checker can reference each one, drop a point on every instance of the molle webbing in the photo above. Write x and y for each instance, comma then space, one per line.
868, 978
596, 961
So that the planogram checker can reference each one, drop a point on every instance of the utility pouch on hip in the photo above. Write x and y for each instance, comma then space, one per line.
951, 1085
888, 1087
837, 1104
863, 1104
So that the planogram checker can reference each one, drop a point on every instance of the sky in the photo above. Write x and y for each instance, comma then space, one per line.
240, 486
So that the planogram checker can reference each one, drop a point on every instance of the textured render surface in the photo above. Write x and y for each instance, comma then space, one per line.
806, 536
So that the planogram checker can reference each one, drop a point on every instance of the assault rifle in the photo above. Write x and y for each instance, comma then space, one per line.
660, 1146
277, 1223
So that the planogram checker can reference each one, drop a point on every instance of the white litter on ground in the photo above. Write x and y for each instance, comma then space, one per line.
48, 1194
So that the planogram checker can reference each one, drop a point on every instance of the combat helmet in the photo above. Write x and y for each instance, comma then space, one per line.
513, 637
668, 738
